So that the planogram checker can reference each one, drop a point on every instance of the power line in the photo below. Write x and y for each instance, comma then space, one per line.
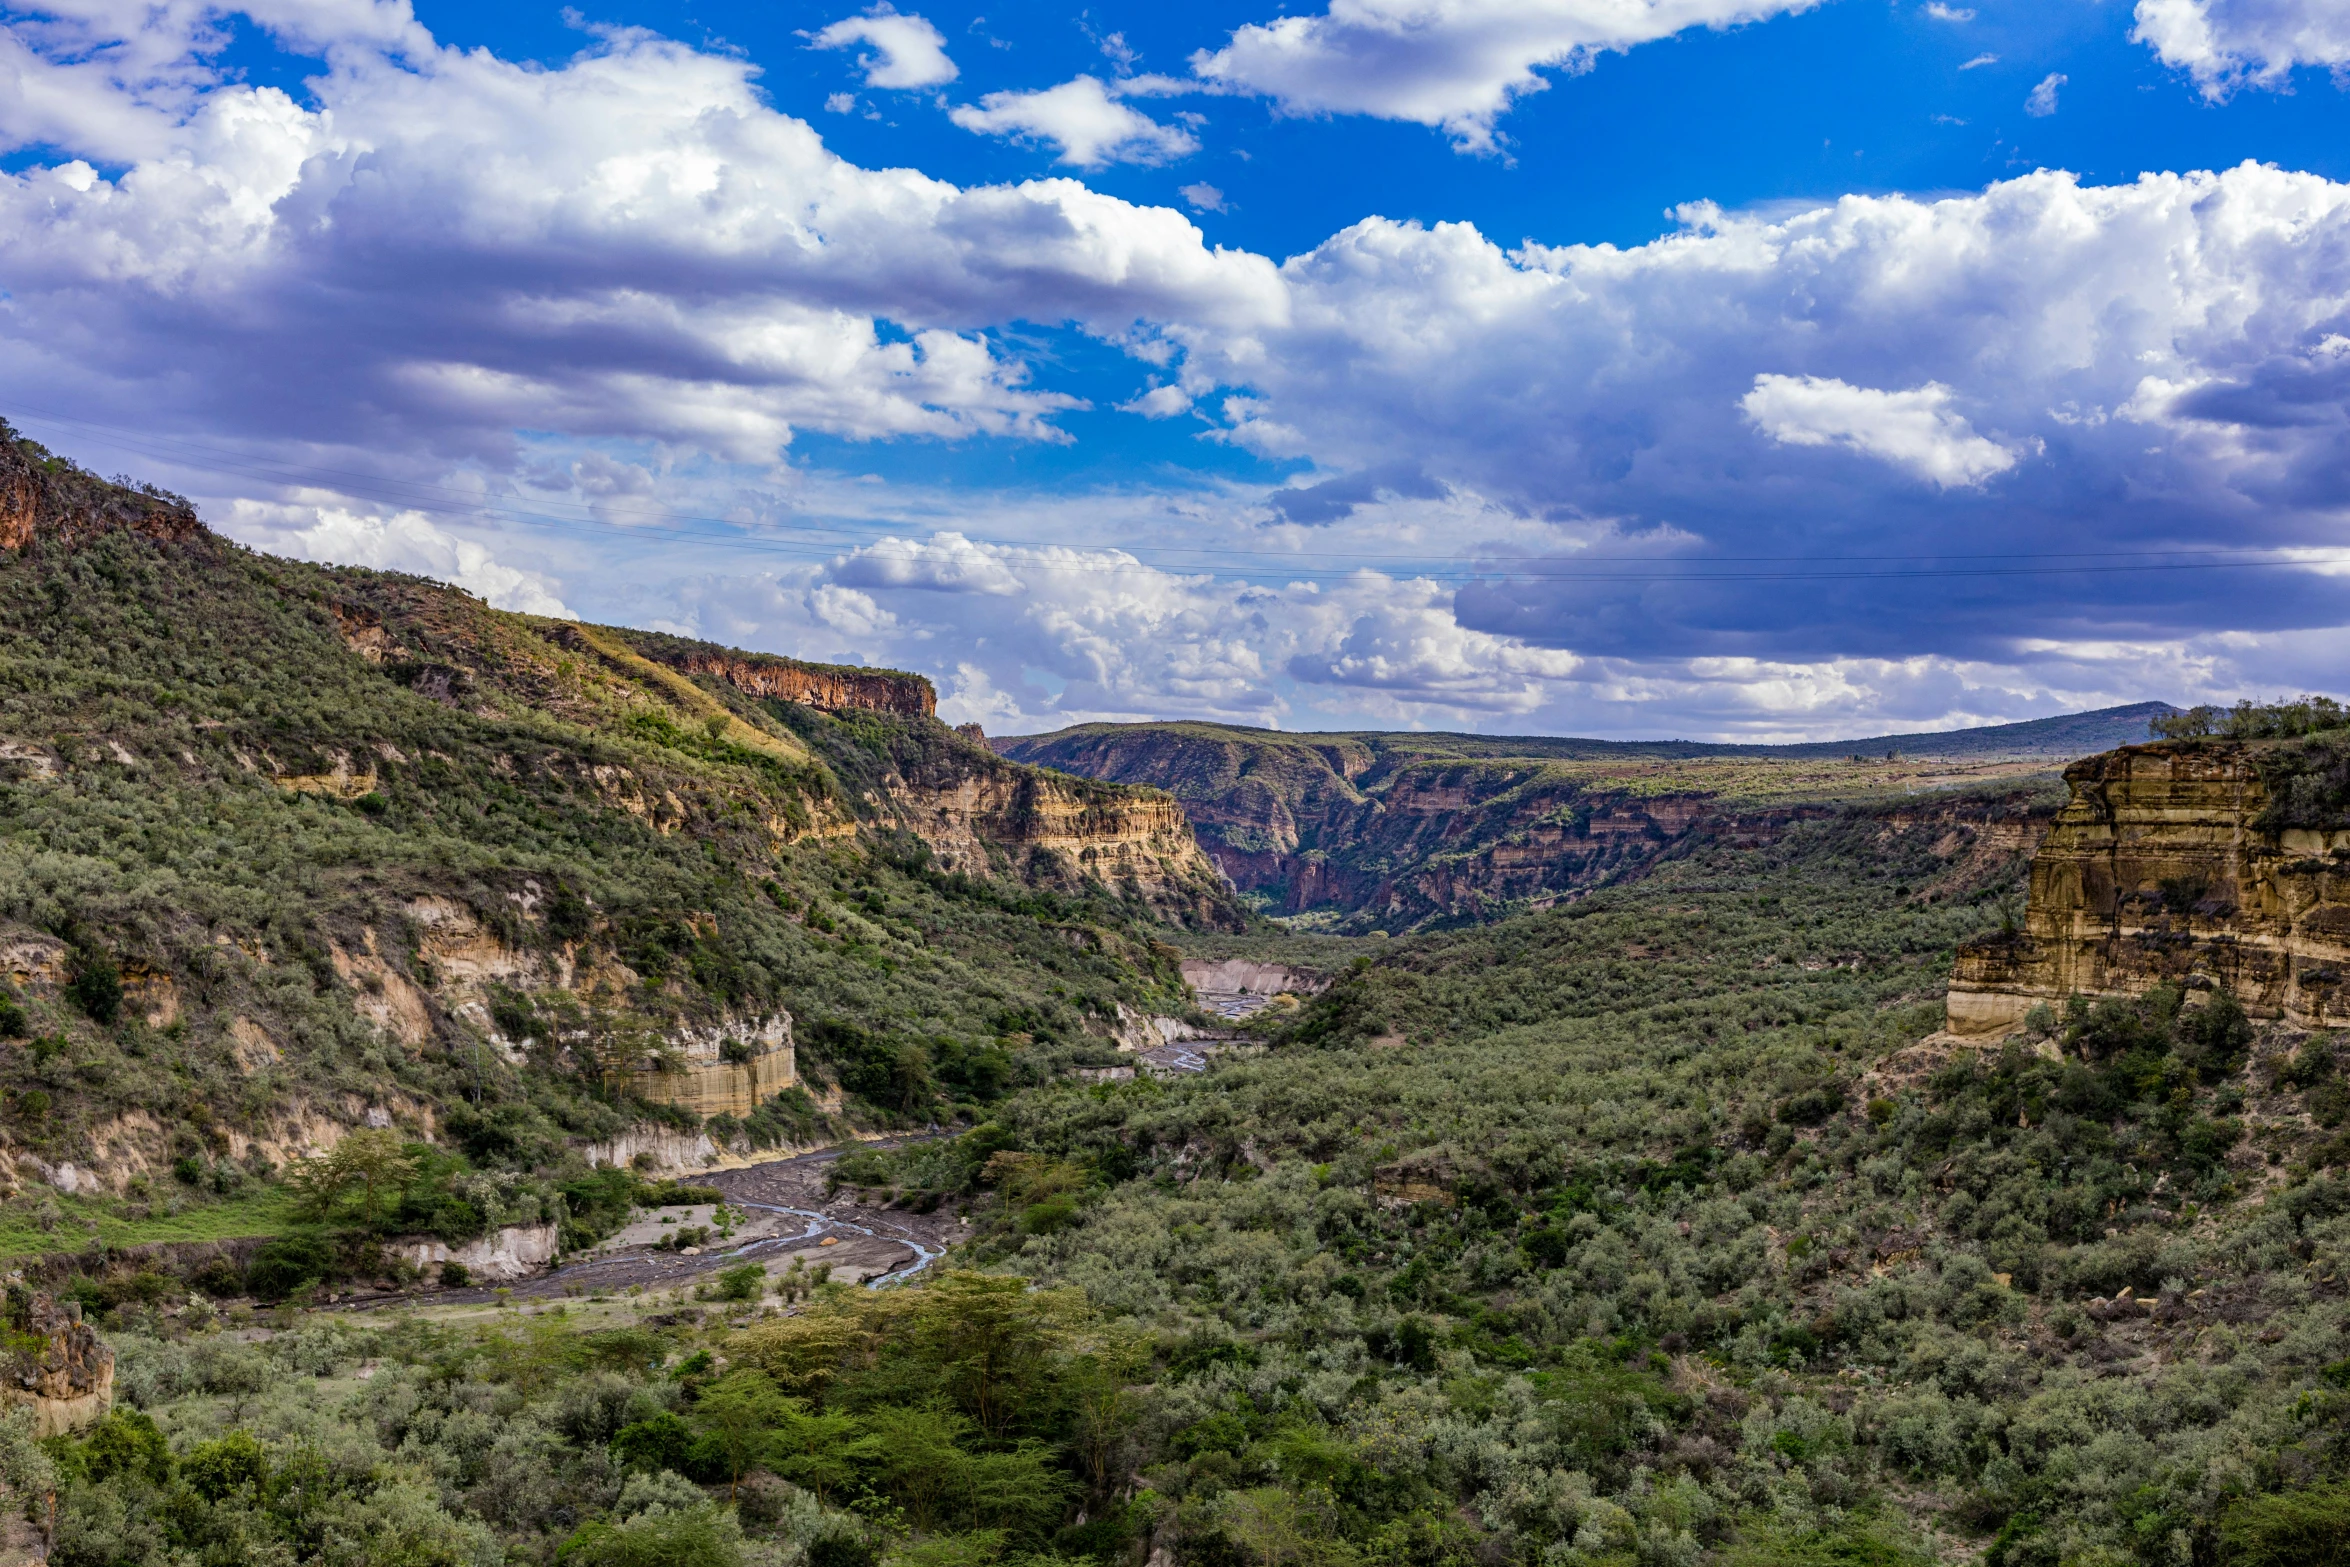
818, 541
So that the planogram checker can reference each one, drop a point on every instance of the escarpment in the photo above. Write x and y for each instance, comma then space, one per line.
56, 1364
42, 498
982, 816
828, 688
2208, 864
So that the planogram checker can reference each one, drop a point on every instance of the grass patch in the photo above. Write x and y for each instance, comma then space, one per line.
93, 1220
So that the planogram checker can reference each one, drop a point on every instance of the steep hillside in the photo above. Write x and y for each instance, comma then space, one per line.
1396, 831
287, 849
1661, 1230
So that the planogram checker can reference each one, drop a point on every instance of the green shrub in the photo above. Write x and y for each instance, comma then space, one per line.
127, 1442
234, 1464
96, 986
286, 1264
2297, 1529
691, 1537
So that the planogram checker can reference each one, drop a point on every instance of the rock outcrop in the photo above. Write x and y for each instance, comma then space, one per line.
498, 1257
720, 1071
2158, 871
1249, 977
1390, 830
1395, 831
43, 497
829, 688
58, 1366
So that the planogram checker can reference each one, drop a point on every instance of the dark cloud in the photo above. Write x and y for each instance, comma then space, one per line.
1335, 500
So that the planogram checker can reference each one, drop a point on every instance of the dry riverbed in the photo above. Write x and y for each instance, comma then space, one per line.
782, 1217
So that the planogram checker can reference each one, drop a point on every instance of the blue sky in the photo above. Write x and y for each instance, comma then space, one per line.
1627, 367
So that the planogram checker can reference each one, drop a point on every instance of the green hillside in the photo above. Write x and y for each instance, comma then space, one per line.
286, 849
1657, 1229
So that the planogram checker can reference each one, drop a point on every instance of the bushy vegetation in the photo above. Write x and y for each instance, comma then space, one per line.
1661, 1227
2284, 719
1655, 1229
1651, 1217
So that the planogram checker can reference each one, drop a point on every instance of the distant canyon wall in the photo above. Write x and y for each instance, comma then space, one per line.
1329, 823
45, 500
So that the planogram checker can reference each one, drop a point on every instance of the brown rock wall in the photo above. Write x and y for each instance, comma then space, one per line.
825, 687
42, 498
695, 1074
1114, 835
2156, 872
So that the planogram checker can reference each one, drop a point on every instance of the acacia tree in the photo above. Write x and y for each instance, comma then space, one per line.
741, 1414
370, 1162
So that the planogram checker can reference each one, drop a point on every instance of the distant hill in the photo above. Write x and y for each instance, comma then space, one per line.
2064, 737
1393, 830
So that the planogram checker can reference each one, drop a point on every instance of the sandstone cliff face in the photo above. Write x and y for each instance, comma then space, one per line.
995, 816
2157, 871
498, 1257
1370, 827
41, 498
700, 1072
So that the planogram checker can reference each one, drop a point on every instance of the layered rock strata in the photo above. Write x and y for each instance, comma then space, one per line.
718, 1072
829, 688
498, 1257
2157, 871
1124, 837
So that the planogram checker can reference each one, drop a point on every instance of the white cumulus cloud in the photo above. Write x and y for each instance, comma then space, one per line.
2041, 101
907, 50
2226, 44
1915, 429
2163, 343
1454, 64
1080, 117
632, 243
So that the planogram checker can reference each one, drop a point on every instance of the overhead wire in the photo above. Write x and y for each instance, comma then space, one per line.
815, 541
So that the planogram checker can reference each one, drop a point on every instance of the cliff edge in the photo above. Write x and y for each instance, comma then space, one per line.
44, 497
2209, 864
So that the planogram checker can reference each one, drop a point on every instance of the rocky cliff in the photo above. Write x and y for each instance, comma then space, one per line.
2209, 864
383, 856
57, 1364
44, 498
828, 688
721, 1070
992, 818
1381, 828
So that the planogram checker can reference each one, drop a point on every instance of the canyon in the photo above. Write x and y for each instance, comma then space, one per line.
1363, 831
421, 864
